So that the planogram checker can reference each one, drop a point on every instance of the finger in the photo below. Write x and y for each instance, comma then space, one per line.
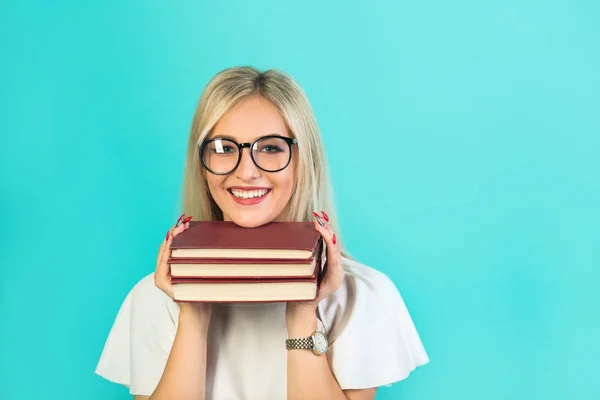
325, 231
162, 268
162, 276
325, 219
161, 248
325, 228
334, 257
330, 229
165, 245
173, 231
162, 245
180, 220
181, 224
320, 221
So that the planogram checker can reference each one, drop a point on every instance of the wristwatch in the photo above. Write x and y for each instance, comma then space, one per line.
317, 342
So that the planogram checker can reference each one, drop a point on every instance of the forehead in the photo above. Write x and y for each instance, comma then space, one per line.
249, 119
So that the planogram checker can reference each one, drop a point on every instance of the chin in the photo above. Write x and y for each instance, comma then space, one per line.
250, 220
254, 215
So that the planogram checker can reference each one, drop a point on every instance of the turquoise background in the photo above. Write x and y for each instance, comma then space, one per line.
463, 139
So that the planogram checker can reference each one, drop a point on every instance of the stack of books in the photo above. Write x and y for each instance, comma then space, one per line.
220, 262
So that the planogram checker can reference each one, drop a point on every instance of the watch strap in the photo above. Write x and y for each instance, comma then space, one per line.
300, 344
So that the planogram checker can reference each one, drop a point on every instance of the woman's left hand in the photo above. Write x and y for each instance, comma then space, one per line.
334, 274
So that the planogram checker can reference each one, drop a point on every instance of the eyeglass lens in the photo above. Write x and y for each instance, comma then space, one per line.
270, 154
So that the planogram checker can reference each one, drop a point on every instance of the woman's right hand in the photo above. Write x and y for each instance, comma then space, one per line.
188, 353
162, 274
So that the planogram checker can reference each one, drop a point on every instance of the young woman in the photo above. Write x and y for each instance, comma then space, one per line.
254, 156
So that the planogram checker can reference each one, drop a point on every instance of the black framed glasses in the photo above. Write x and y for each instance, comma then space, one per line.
272, 153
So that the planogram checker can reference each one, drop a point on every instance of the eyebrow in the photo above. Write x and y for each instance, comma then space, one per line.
222, 137
235, 140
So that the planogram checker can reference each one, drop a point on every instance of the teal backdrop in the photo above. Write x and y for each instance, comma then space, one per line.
463, 139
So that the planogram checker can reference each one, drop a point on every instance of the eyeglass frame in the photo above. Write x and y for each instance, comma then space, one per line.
241, 146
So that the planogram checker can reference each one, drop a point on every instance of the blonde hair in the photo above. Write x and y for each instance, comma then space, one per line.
313, 186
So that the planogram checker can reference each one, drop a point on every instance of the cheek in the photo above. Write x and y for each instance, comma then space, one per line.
286, 183
214, 184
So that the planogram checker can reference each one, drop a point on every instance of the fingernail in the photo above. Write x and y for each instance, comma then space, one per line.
325, 216
315, 214
333, 238
168, 235
188, 219
179, 220
320, 221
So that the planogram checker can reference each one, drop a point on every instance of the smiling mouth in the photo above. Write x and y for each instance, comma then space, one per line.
249, 194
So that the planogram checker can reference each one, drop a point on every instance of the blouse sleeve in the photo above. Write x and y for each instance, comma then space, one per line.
373, 341
139, 343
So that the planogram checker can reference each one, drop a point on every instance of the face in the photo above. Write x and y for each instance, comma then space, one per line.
249, 196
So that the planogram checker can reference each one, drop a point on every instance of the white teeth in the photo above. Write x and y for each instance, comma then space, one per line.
248, 194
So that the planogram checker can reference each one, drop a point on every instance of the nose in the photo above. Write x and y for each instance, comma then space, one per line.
247, 170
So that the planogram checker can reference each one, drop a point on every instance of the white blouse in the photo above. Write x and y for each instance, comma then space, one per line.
372, 340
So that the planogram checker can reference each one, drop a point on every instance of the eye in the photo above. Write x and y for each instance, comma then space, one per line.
270, 148
222, 147
228, 149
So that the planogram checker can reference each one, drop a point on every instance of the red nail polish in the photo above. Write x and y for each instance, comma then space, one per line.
333, 238
188, 219
315, 214
168, 235
181, 218
325, 216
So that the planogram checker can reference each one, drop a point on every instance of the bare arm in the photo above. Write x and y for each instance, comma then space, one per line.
309, 375
184, 376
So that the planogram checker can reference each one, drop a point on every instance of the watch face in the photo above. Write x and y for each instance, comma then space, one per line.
320, 342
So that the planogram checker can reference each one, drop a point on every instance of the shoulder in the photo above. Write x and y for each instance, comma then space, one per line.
139, 341
149, 303
364, 275
147, 290
146, 313
365, 287
368, 325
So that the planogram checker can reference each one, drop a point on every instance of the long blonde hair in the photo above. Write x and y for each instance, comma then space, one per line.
313, 186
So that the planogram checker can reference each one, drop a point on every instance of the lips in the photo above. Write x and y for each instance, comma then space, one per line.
249, 196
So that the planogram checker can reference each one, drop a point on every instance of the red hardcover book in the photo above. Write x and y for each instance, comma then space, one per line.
248, 290
226, 240
221, 268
